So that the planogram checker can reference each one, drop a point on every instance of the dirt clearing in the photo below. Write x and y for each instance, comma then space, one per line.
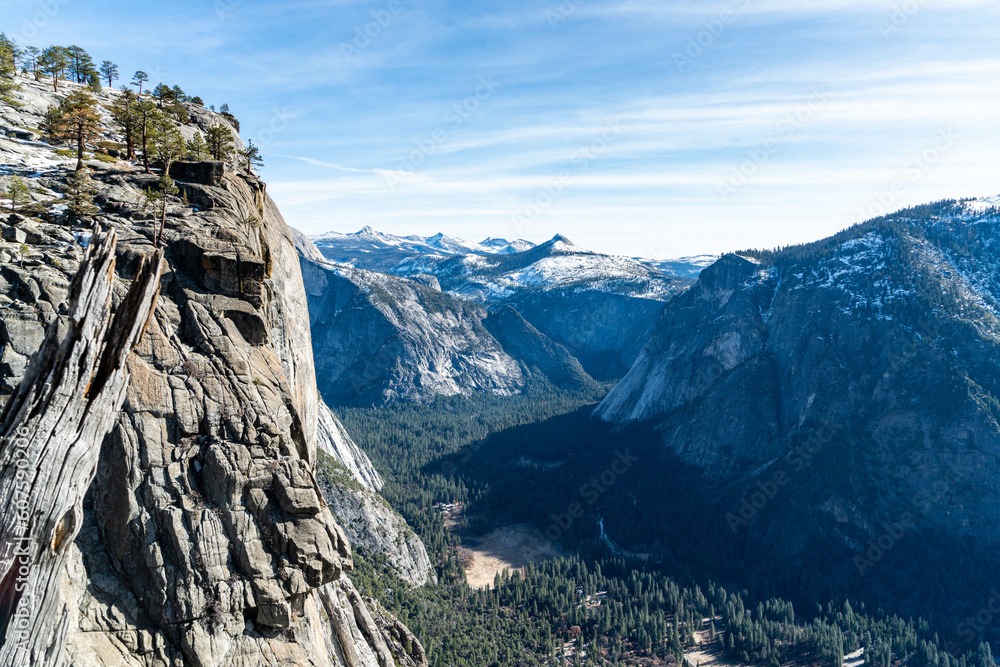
510, 547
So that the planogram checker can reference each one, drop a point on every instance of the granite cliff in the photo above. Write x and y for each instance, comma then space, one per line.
206, 538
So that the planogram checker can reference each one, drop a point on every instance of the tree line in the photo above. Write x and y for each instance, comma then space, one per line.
149, 121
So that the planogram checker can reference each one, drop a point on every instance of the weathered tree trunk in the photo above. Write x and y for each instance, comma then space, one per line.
50, 439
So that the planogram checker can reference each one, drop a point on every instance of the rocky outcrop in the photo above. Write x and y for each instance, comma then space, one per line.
604, 331
205, 173
205, 538
372, 525
51, 431
379, 339
537, 351
350, 485
338, 445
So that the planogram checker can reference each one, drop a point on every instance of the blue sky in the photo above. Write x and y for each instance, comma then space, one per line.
656, 129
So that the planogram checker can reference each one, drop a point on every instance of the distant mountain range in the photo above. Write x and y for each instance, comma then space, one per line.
380, 339
600, 307
684, 267
375, 251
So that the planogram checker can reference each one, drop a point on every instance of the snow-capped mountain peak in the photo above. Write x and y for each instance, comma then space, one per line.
372, 249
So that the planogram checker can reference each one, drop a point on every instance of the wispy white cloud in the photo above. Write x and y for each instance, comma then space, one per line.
354, 123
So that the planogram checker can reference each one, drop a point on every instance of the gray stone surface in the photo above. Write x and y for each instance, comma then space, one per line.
205, 539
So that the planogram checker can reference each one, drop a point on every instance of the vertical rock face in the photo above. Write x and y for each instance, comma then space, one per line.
373, 526
206, 501
710, 341
382, 339
536, 350
205, 539
51, 432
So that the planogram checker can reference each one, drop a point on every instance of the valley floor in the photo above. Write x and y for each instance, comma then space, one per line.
506, 548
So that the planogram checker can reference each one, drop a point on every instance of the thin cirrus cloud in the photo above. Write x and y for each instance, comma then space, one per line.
386, 122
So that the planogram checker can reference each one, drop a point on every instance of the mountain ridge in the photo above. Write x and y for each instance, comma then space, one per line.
580, 299
884, 336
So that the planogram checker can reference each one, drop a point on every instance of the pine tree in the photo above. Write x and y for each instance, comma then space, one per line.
109, 71
76, 120
159, 196
31, 54
162, 92
139, 78
220, 142
146, 117
80, 198
168, 144
250, 158
123, 113
79, 62
53, 62
8, 69
197, 149
17, 191
984, 656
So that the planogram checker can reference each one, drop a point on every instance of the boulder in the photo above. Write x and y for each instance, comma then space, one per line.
209, 172
24, 135
14, 235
